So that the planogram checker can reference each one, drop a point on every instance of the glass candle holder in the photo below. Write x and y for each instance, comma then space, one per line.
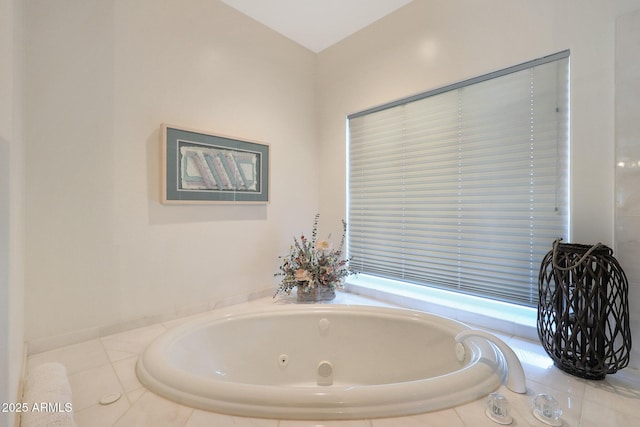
547, 409
498, 409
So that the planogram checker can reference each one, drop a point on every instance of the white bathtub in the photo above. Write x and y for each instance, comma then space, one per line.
321, 362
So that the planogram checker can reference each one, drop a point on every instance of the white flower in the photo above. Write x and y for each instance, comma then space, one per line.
323, 245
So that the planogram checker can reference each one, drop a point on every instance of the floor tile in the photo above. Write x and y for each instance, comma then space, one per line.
597, 415
151, 410
126, 372
134, 395
131, 343
101, 415
619, 392
89, 386
445, 418
209, 419
76, 357
320, 423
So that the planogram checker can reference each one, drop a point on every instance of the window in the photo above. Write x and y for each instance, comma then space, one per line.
465, 187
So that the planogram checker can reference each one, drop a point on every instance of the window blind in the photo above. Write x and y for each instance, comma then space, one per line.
465, 187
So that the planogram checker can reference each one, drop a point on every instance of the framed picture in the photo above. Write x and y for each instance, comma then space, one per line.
200, 167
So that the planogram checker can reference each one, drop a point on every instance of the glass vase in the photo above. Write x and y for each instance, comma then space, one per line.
316, 294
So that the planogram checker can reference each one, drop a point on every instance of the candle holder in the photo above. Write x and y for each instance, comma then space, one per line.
583, 310
547, 410
498, 409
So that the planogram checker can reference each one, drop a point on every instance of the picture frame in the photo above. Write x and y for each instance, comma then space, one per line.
201, 167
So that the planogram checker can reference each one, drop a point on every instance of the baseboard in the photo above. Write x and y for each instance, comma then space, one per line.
39, 345
20, 392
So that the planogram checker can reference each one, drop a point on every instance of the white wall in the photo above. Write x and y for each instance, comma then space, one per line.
101, 77
11, 210
628, 159
427, 45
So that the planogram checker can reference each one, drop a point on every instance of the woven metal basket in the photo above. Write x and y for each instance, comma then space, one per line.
583, 310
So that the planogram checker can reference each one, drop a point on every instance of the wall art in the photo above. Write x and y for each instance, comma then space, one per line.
200, 167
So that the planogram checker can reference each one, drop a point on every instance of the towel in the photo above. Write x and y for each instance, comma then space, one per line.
47, 398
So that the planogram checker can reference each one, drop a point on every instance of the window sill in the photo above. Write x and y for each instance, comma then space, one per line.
501, 317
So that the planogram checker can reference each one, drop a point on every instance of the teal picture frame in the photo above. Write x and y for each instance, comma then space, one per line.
201, 167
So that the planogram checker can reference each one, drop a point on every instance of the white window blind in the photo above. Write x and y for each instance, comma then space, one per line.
465, 187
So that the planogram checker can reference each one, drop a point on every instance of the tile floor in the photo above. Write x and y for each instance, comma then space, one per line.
107, 365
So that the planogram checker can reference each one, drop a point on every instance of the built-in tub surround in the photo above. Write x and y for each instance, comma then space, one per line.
323, 362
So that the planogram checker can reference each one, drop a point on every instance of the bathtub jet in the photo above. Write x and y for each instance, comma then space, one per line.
325, 362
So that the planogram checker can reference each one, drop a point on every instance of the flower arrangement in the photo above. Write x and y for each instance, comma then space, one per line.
313, 264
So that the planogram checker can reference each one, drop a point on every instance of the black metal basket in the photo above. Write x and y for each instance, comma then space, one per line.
583, 310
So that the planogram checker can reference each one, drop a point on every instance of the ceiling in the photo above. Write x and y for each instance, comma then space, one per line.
316, 24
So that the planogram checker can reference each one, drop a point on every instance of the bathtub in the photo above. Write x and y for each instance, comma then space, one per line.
321, 362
